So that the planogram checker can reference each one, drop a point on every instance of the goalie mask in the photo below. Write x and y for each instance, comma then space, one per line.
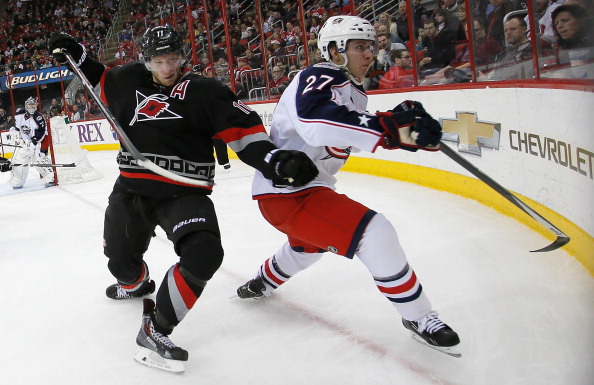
160, 40
30, 105
341, 29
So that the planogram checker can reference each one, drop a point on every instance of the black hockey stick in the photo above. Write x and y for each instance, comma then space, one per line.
561, 240
141, 160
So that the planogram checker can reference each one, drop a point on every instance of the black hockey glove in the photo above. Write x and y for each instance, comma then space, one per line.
409, 127
289, 168
34, 141
5, 165
62, 41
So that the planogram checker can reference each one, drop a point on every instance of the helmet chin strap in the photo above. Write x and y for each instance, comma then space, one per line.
348, 73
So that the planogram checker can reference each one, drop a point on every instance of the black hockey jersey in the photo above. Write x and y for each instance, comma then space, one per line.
174, 127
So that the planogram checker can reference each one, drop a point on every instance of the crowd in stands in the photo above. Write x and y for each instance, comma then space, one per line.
262, 62
25, 27
502, 43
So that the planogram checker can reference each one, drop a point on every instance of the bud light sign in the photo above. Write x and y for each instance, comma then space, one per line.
27, 79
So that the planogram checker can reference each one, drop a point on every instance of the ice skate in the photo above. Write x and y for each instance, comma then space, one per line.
123, 290
253, 288
433, 332
156, 349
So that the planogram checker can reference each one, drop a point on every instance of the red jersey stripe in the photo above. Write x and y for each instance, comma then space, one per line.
159, 178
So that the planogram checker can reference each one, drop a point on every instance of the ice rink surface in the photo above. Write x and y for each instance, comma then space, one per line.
523, 318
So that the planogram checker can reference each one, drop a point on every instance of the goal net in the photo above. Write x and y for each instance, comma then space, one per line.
66, 149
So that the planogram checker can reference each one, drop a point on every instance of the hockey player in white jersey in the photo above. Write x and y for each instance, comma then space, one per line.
323, 113
26, 135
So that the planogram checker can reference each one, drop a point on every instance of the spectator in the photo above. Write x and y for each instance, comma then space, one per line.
545, 22
55, 108
451, 7
439, 49
277, 48
573, 29
419, 15
385, 46
485, 48
401, 22
515, 61
444, 25
400, 74
3, 119
252, 60
218, 52
457, 71
312, 42
386, 20
278, 83
76, 114
495, 29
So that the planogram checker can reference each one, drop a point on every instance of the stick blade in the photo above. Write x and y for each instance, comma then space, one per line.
559, 242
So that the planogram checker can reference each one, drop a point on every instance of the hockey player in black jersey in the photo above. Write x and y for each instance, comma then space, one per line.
172, 117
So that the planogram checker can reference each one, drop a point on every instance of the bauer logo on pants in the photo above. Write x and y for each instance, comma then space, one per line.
470, 133
183, 223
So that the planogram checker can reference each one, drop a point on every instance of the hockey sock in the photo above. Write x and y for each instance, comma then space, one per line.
176, 296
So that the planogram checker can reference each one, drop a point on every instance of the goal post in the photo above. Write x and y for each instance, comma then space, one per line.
65, 148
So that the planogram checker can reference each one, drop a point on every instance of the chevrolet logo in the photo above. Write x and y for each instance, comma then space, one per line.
470, 133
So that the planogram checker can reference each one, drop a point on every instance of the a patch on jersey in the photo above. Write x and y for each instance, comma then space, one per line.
154, 107
339, 153
25, 130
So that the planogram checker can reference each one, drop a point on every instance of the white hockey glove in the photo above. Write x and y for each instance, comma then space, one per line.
409, 127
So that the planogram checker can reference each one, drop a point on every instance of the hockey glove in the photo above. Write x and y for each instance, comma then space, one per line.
34, 141
409, 127
5, 165
60, 41
289, 168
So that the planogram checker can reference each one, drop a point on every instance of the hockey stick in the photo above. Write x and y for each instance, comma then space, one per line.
45, 164
561, 240
140, 159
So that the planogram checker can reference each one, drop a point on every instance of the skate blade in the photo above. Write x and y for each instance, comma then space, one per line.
152, 359
450, 351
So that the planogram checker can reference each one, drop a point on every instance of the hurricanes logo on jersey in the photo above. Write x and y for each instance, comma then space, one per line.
152, 107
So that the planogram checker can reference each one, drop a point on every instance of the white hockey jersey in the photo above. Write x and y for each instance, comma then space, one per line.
323, 114
29, 126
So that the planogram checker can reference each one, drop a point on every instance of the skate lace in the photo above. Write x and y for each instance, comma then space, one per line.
162, 338
430, 323
121, 292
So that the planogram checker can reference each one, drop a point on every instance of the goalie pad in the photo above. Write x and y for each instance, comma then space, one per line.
22, 155
46, 173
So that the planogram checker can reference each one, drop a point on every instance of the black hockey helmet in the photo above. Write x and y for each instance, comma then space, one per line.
160, 40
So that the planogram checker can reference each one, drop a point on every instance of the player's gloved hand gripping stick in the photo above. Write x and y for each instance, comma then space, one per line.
409, 127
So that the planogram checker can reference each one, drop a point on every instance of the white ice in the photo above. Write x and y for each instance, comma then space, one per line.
524, 318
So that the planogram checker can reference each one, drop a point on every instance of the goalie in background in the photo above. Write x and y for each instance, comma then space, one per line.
26, 135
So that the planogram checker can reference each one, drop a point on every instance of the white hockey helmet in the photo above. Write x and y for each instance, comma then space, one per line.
341, 29
31, 105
